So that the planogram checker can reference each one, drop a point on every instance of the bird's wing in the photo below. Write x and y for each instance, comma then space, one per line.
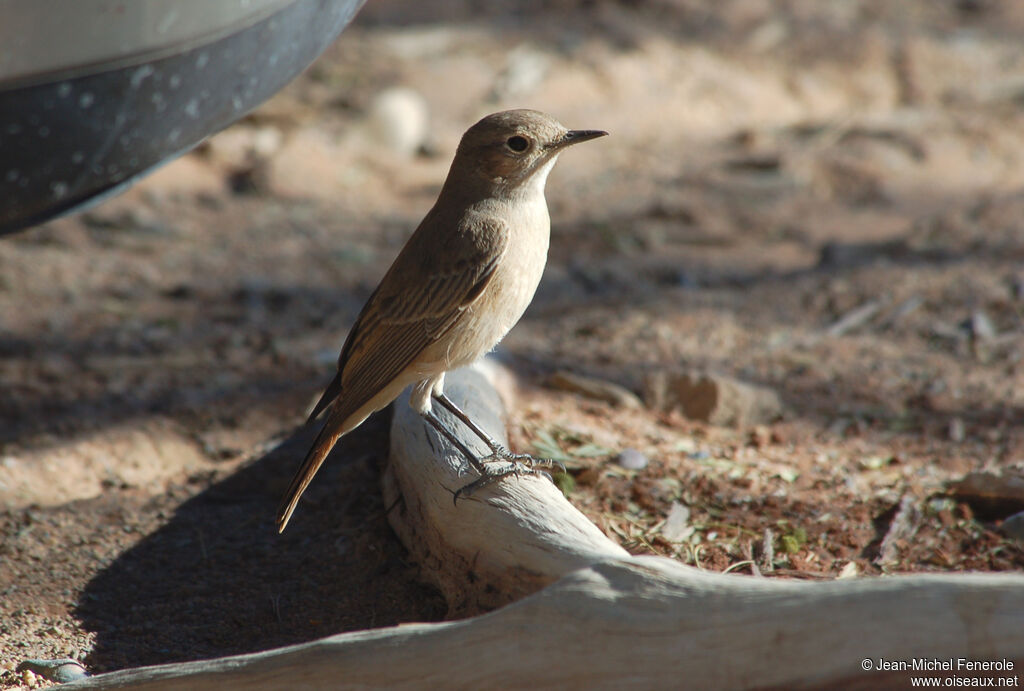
421, 297
428, 287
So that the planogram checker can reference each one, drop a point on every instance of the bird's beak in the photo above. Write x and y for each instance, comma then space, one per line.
577, 136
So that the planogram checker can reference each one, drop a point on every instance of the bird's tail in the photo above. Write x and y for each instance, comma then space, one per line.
332, 392
325, 441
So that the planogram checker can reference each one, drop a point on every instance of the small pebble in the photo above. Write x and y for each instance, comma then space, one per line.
266, 141
849, 571
631, 459
399, 119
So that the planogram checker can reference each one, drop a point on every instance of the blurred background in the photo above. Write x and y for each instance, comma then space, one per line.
820, 199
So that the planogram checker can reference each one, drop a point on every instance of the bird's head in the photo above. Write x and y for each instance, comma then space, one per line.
514, 150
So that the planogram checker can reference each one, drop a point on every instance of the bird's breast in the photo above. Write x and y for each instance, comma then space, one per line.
509, 291
519, 273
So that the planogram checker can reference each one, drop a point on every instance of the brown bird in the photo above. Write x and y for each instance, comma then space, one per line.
463, 279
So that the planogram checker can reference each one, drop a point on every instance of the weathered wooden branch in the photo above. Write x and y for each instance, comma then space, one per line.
601, 619
507, 540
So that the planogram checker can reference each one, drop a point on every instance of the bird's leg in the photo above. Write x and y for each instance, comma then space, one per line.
518, 464
487, 476
456, 442
498, 452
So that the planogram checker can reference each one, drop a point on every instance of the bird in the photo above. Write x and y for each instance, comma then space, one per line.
460, 283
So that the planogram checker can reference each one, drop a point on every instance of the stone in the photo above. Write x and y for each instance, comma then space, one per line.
631, 459
1013, 526
592, 387
712, 398
399, 119
991, 492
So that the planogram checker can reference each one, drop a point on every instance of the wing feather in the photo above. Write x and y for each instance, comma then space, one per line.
420, 298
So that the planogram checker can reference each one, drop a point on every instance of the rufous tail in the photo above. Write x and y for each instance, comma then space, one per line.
325, 441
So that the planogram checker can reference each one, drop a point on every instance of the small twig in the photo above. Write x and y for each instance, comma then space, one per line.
694, 552
805, 575
854, 318
740, 564
902, 310
768, 550
748, 552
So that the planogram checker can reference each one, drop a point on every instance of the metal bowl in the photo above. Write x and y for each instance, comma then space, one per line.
95, 93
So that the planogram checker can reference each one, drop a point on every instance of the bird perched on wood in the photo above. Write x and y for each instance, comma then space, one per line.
462, 280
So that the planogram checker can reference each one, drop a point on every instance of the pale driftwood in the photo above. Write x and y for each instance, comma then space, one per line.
648, 623
618, 622
505, 541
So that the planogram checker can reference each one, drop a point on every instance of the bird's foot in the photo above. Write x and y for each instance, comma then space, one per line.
492, 475
500, 453
518, 464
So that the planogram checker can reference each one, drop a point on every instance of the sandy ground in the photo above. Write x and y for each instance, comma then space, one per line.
821, 198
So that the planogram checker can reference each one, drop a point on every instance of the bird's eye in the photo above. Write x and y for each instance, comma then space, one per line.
517, 143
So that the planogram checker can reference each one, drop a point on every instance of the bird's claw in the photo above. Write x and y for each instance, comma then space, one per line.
549, 463
502, 454
517, 464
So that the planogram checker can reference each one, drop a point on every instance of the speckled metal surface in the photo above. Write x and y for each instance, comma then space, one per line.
69, 140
